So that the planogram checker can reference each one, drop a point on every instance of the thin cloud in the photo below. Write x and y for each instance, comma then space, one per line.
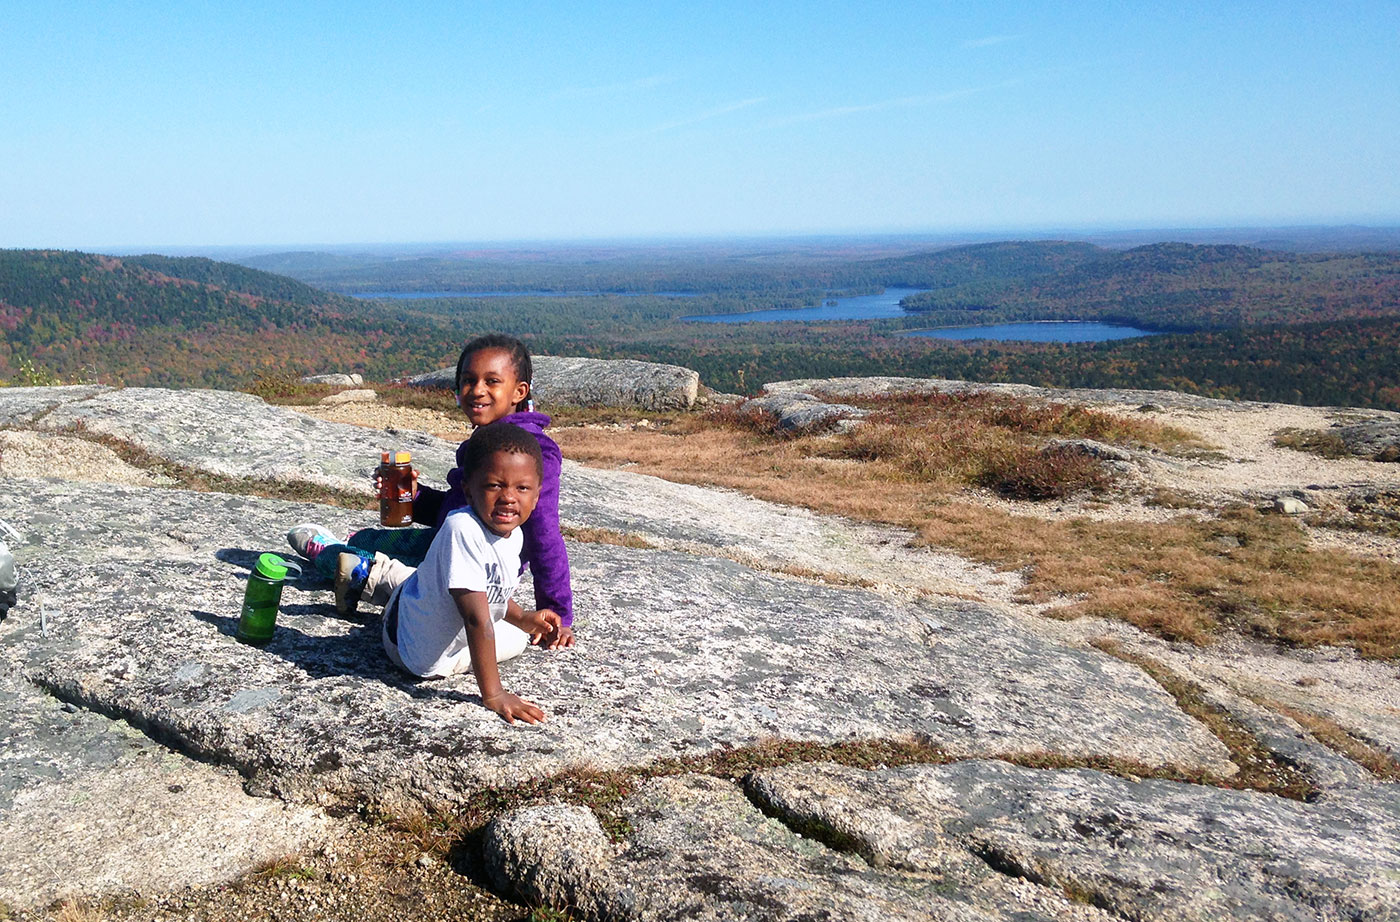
615, 89
989, 40
703, 116
899, 102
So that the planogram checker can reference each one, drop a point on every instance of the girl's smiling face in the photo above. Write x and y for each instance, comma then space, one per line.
489, 386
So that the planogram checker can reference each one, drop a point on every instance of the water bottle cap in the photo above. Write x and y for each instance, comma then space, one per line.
401, 458
271, 566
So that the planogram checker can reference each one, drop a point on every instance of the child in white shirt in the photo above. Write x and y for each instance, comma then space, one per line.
455, 612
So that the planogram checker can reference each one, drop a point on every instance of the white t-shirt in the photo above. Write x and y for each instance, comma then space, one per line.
465, 554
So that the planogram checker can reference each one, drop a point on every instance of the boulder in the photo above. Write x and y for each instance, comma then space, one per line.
805, 413
1089, 448
335, 380
1377, 439
1290, 505
597, 383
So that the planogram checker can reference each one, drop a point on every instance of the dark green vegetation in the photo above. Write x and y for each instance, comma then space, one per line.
1313, 328
1177, 286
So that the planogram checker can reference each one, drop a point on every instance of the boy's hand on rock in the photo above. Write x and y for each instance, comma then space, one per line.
513, 707
548, 631
563, 637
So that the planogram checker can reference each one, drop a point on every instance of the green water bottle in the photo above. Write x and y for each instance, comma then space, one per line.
260, 600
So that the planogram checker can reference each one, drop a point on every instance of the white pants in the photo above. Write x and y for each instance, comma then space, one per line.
511, 641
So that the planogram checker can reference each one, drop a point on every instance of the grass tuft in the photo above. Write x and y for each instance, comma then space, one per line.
417, 398
1314, 441
604, 536
284, 389
284, 867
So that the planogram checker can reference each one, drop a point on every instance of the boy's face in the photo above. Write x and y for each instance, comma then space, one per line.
504, 489
489, 387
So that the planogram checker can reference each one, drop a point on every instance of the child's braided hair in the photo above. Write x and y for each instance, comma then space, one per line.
519, 359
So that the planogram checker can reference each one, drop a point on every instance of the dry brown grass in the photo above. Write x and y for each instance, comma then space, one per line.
604, 536
1314, 441
417, 398
1175, 579
1029, 417
288, 390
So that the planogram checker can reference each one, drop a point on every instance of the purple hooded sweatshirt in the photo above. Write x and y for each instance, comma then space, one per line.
543, 549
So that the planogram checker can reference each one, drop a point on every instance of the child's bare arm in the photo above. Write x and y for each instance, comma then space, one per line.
545, 627
481, 642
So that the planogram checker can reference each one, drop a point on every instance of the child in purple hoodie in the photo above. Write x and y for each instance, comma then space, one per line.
493, 383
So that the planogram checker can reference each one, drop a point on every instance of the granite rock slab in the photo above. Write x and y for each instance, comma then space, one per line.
877, 386
239, 435
596, 383
805, 413
89, 805
233, 434
334, 379
697, 848
1141, 849
678, 654
1377, 439
22, 406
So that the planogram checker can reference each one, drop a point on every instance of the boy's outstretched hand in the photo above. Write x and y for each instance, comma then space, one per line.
547, 630
513, 707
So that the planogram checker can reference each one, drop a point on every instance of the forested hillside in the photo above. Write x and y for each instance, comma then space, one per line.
1179, 286
153, 320
156, 320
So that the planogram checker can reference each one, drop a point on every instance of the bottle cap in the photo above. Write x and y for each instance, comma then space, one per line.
383, 457
271, 566
401, 458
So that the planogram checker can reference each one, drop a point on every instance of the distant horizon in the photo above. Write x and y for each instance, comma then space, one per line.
933, 237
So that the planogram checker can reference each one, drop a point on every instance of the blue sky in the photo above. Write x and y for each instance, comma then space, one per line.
193, 124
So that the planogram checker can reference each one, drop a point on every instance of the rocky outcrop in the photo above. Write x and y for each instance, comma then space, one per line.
597, 383
679, 654
1377, 439
91, 805
805, 413
689, 647
697, 848
334, 380
1141, 849
890, 386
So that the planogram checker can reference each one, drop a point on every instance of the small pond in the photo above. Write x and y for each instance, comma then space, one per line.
1043, 331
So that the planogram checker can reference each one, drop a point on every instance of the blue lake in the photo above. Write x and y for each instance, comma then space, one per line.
420, 295
863, 307
1047, 331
